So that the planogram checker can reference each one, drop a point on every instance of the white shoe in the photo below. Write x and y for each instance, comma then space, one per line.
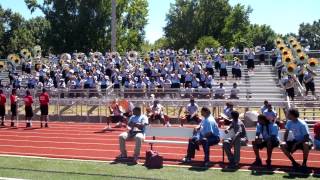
107, 128
168, 124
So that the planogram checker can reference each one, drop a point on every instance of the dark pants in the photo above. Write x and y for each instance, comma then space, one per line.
206, 143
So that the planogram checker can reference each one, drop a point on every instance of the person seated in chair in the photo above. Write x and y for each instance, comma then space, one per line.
156, 112
136, 130
191, 113
266, 137
205, 134
301, 138
235, 136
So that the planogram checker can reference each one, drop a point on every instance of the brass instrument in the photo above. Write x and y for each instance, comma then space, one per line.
14, 59
232, 49
96, 56
246, 51
302, 58
24, 53
257, 49
2, 66
181, 51
291, 68
168, 52
206, 51
132, 56
312, 66
209, 58
287, 59
114, 55
37, 51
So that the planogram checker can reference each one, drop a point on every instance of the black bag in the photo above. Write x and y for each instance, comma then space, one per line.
153, 160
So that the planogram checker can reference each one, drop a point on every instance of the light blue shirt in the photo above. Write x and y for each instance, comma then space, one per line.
142, 119
270, 115
209, 125
299, 129
273, 130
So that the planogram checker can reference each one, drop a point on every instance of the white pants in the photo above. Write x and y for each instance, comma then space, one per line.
123, 137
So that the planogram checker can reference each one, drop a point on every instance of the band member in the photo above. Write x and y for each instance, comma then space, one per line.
219, 92
236, 136
191, 113
264, 107
234, 92
223, 69
156, 112
3, 101
44, 107
309, 82
250, 62
136, 130
28, 101
14, 106
270, 113
301, 138
316, 129
237, 69
288, 84
266, 137
205, 134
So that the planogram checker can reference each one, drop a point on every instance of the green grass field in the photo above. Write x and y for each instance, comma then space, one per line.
33, 168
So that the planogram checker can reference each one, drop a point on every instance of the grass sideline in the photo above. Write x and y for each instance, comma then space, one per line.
39, 168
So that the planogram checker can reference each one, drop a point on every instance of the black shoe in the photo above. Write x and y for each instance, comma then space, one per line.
295, 165
46, 125
27, 125
41, 125
257, 162
268, 162
12, 124
2, 123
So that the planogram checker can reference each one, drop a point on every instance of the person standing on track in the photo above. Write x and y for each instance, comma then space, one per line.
14, 106
28, 101
3, 101
44, 107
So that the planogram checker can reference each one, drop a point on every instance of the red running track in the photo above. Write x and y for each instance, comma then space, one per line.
86, 141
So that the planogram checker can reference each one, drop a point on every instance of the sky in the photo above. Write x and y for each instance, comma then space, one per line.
284, 16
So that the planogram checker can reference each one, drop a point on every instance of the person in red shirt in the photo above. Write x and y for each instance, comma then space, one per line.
14, 107
28, 108
3, 101
44, 101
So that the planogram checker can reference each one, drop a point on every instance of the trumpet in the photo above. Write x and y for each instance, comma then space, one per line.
2, 66
132, 56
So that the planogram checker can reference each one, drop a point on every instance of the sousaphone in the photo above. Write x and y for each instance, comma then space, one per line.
14, 59
2, 66
312, 66
37, 51
132, 56
246, 51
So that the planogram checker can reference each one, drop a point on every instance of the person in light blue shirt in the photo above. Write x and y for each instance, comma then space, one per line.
265, 106
270, 114
205, 134
266, 137
301, 138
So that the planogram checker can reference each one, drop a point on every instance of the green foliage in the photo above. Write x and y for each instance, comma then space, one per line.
83, 25
261, 35
207, 41
189, 20
161, 43
311, 32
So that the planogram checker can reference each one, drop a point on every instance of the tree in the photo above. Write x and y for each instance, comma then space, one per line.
261, 35
83, 25
161, 43
207, 41
311, 34
189, 20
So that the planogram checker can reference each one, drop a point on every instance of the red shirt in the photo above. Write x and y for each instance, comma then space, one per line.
3, 99
44, 99
13, 99
28, 100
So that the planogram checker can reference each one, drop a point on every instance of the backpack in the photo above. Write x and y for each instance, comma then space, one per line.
153, 160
